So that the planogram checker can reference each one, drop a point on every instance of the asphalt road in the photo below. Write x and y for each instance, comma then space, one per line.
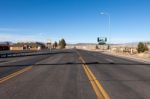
62, 75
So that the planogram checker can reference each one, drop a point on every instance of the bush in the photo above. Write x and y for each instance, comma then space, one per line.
142, 47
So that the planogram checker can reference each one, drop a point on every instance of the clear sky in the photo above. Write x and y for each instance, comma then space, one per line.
78, 21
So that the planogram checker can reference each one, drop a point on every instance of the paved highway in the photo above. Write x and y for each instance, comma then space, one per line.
73, 74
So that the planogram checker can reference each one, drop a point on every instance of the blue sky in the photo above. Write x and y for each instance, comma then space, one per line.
78, 21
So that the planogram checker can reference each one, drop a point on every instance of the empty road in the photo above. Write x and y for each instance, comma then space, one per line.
73, 74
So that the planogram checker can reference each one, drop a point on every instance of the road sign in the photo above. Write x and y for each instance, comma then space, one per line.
102, 40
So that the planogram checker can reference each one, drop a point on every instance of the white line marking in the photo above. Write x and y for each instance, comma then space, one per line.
109, 60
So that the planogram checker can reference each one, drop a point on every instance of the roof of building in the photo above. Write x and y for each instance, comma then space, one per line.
22, 44
5, 43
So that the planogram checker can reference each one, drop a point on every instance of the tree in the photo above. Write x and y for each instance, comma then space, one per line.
55, 44
142, 47
62, 43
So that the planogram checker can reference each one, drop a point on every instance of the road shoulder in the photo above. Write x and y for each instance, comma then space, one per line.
131, 57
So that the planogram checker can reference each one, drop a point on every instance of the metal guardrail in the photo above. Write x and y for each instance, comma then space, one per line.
17, 54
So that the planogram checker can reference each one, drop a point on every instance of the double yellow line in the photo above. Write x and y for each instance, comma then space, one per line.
97, 87
15, 74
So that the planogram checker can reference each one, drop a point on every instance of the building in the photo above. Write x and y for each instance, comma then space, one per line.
49, 45
124, 48
4, 46
27, 46
84, 46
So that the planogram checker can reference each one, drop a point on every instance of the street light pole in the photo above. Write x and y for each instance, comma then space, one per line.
109, 23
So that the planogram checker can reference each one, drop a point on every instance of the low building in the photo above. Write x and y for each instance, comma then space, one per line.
127, 49
4, 46
49, 45
85, 46
27, 46
70, 46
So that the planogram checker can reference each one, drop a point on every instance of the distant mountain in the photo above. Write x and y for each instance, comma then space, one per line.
82, 44
132, 44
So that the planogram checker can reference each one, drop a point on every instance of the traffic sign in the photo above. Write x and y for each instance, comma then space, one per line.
102, 40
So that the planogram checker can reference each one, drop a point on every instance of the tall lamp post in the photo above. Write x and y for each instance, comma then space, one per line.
109, 20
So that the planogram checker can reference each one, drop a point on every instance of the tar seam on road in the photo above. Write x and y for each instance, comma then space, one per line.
15, 74
97, 87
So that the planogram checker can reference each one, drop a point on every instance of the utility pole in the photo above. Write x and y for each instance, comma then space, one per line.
109, 27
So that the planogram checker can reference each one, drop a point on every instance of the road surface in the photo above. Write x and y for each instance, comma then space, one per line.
73, 74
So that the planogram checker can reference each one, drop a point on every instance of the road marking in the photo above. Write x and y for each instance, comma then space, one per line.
15, 74
9, 62
97, 87
109, 60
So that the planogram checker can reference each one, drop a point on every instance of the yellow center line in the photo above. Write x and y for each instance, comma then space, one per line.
97, 87
15, 74
98, 94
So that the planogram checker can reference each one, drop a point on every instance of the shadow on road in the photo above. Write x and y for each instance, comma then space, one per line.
75, 63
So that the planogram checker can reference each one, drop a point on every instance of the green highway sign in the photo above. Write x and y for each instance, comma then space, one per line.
102, 40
